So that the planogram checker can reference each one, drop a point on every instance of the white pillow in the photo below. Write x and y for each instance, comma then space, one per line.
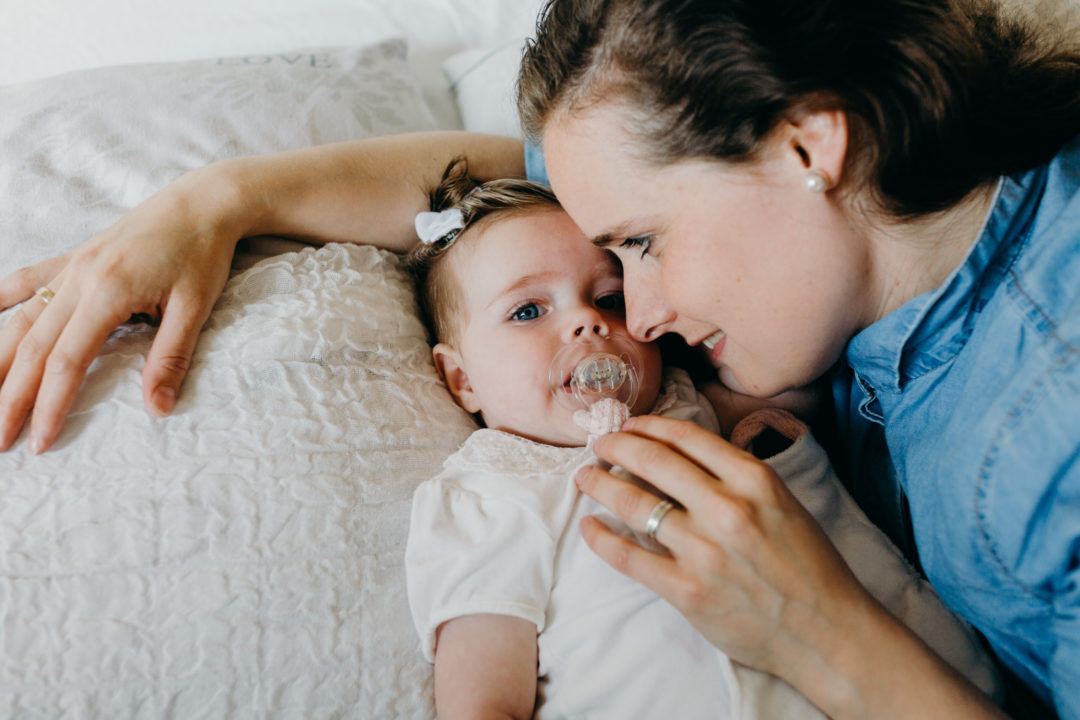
243, 557
79, 150
484, 81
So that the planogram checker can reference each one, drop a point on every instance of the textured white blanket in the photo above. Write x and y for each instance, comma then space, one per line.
242, 558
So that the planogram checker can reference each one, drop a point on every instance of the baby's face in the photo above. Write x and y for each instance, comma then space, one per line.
533, 284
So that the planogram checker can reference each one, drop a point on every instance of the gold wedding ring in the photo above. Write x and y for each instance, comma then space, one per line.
45, 294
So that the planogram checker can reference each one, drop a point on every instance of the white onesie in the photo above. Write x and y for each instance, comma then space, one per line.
497, 532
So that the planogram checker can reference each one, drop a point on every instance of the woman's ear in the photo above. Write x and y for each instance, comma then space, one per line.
448, 363
819, 140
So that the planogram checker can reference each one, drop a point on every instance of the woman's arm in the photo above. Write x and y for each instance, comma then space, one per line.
753, 571
170, 256
485, 667
364, 192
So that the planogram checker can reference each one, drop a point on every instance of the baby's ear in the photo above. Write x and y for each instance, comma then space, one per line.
448, 363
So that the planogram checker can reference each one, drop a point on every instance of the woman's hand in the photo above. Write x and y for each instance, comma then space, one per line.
746, 561
162, 260
169, 258
752, 570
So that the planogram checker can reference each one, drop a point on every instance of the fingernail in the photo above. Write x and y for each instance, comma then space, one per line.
164, 399
628, 423
36, 445
579, 476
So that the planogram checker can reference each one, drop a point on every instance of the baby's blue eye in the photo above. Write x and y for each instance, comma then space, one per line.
527, 312
613, 302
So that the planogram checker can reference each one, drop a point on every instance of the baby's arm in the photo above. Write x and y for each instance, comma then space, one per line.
731, 407
485, 667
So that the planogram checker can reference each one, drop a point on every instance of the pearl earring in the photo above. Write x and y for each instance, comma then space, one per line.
817, 181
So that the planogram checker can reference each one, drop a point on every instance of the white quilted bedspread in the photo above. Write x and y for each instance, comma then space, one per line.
242, 558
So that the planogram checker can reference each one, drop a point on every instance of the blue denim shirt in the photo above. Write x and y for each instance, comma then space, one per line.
535, 167
971, 393
976, 386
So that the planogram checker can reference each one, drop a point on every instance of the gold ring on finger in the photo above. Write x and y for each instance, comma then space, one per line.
45, 294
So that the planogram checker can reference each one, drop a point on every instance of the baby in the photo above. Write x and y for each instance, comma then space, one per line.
517, 613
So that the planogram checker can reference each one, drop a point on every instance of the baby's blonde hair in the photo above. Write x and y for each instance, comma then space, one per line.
480, 204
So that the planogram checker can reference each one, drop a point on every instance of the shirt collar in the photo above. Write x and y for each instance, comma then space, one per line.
930, 329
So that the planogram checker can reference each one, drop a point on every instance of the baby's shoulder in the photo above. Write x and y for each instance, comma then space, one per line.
494, 466
498, 452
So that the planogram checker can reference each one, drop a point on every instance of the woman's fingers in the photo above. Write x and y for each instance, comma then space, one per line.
20, 285
170, 355
677, 456
651, 569
54, 350
28, 342
80, 339
20, 343
15, 329
630, 503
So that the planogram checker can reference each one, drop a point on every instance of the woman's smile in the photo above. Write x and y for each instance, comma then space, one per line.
715, 345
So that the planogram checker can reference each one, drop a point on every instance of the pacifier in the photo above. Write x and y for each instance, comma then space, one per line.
600, 381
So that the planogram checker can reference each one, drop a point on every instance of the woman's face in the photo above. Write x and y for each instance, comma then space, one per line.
745, 262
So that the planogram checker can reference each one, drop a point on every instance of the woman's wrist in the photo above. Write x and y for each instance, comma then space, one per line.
224, 198
871, 665
818, 653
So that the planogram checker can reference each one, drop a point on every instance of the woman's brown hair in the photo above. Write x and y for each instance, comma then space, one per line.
941, 97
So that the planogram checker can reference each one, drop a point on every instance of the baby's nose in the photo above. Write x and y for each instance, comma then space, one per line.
595, 329
590, 325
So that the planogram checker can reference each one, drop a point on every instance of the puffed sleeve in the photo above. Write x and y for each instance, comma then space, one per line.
475, 552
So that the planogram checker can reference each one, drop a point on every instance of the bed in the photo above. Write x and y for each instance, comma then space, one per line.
242, 558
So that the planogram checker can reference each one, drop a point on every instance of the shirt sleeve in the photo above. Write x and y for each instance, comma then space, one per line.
1063, 529
471, 553
1030, 519
535, 167
1066, 657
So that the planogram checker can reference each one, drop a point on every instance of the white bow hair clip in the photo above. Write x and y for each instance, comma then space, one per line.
434, 226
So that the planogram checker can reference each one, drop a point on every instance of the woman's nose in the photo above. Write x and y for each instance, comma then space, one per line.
648, 316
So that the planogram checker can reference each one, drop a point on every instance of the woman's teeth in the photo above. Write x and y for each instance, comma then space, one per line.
710, 342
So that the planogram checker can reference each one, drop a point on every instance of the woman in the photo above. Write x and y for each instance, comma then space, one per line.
886, 184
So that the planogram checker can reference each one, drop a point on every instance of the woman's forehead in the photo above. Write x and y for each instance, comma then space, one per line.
596, 172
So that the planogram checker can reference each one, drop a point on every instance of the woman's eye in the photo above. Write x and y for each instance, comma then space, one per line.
613, 302
531, 311
638, 241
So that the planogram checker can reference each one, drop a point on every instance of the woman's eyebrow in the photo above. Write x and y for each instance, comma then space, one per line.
612, 234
